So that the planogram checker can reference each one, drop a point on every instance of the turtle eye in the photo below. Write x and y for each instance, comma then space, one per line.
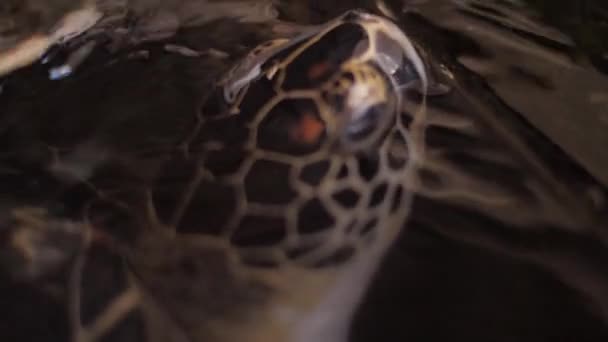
364, 104
364, 123
365, 129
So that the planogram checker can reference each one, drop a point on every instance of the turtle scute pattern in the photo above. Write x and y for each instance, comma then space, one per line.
307, 162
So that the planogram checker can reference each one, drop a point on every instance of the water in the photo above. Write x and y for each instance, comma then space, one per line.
508, 239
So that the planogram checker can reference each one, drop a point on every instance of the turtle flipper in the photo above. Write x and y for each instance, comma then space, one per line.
36, 245
70, 268
63, 23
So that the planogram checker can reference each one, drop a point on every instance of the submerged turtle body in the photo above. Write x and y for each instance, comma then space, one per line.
260, 215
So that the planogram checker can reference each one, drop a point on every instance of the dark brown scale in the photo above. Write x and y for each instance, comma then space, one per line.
259, 231
214, 201
378, 195
347, 198
313, 174
368, 168
344, 172
319, 62
224, 162
314, 218
267, 182
287, 128
230, 131
257, 95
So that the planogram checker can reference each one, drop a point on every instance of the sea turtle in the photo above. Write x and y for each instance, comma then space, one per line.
96, 172
259, 214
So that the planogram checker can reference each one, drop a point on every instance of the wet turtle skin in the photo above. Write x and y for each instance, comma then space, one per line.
259, 213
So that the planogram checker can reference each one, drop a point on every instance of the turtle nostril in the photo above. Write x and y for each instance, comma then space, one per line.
364, 102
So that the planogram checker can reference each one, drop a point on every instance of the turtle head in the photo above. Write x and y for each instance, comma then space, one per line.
342, 82
324, 139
